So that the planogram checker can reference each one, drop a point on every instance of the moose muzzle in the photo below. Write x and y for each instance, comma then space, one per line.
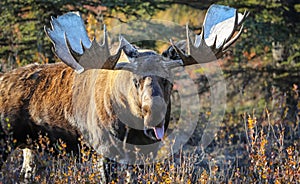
154, 110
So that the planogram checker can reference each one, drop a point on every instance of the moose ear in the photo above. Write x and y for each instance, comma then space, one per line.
171, 53
130, 51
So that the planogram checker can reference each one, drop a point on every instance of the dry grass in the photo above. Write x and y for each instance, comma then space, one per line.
270, 155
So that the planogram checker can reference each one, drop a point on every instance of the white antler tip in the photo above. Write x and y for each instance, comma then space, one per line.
79, 71
77, 13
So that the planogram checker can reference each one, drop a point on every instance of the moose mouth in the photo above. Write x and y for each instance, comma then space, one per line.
155, 133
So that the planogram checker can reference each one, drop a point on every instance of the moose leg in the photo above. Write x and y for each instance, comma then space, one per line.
28, 166
3, 152
113, 171
101, 167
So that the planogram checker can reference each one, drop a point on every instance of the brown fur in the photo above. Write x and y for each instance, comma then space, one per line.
52, 99
42, 95
36, 98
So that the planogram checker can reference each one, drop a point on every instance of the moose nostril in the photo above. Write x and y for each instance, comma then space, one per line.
150, 133
146, 109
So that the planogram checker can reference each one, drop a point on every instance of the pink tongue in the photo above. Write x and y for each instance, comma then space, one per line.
159, 132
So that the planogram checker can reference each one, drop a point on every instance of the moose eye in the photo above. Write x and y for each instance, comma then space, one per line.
136, 83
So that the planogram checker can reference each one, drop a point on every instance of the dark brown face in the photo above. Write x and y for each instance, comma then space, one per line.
154, 97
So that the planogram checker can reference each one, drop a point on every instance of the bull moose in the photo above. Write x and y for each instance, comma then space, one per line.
91, 94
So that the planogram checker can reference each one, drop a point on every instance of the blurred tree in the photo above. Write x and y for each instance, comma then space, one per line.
272, 24
272, 29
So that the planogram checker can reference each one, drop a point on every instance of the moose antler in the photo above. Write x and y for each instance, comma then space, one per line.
73, 46
220, 24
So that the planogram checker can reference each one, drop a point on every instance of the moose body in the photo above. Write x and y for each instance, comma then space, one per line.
36, 99
39, 99
114, 106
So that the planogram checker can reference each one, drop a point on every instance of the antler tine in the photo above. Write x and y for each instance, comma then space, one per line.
105, 39
188, 40
75, 55
231, 41
245, 15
